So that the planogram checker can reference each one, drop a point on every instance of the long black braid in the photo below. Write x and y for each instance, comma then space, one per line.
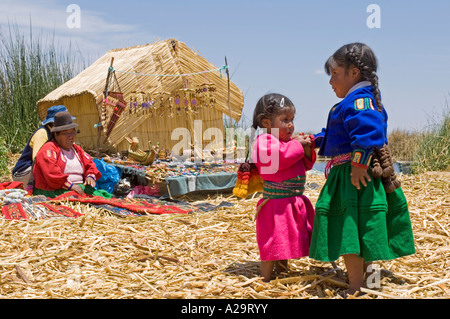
368, 73
361, 56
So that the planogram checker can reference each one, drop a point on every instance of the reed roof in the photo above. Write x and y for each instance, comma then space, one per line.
139, 69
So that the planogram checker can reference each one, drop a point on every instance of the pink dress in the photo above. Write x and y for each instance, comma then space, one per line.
283, 225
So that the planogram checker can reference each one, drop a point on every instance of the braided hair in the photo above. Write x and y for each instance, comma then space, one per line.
269, 106
361, 56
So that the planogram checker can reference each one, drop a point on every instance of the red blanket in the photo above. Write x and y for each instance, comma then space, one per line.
18, 211
140, 206
11, 185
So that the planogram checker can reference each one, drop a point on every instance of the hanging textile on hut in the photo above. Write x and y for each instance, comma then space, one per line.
114, 103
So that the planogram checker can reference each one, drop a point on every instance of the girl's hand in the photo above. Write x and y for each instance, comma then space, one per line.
359, 175
90, 181
77, 188
305, 140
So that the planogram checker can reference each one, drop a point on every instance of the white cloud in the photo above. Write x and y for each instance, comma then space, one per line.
52, 15
319, 72
97, 32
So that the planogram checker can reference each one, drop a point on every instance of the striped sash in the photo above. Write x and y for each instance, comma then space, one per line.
337, 160
291, 187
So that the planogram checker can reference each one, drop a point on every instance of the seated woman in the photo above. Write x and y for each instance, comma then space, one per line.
63, 166
22, 171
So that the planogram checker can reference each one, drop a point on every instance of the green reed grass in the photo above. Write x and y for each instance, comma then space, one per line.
403, 145
4, 158
31, 66
433, 151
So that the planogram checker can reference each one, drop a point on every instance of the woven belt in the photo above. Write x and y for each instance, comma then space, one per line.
337, 160
291, 187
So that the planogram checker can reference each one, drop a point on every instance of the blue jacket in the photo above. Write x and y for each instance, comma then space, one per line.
354, 126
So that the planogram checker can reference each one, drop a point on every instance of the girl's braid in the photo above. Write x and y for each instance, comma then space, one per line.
267, 107
367, 73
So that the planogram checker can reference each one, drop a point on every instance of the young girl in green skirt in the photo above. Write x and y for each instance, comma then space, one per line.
357, 216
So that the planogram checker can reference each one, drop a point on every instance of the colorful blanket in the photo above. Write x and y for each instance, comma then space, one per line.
11, 185
43, 210
139, 206
18, 206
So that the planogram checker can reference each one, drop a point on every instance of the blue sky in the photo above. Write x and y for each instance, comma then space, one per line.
274, 46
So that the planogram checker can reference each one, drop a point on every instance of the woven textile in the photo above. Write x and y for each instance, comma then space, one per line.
62, 210
337, 160
134, 205
40, 210
291, 187
11, 185
14, 211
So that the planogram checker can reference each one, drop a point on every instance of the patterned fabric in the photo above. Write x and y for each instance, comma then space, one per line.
62, 210
88, 190
38, 210
291, 187
11, 185
364, 104
335, 161
361, 158
134, 205
121, 212
14, 211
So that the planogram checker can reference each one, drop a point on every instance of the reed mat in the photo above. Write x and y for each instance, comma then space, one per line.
208, 254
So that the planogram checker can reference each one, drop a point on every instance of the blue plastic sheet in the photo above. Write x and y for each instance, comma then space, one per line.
110, 176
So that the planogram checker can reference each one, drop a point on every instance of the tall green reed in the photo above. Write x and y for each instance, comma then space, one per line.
31, 66
433, 151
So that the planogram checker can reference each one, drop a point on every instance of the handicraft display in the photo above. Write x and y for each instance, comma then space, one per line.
150, 102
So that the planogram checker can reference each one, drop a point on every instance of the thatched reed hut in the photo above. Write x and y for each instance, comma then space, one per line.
160, 87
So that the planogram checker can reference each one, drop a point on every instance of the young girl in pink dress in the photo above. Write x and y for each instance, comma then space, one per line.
284, 215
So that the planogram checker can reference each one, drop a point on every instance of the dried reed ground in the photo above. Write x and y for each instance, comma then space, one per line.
207, 255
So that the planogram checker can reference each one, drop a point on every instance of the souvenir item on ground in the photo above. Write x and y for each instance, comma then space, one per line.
248, 180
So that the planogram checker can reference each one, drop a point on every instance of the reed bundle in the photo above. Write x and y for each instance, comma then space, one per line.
207, 255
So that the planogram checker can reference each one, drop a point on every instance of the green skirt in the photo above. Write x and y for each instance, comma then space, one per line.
367, 222
87, 189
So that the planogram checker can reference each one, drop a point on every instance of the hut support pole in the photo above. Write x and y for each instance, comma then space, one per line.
105, 92
105, 95
229, 106
231, 145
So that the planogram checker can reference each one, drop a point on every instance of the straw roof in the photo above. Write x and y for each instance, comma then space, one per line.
138, 72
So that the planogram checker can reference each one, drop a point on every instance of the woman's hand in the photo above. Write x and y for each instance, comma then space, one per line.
77, 188
359, 176
90, 181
